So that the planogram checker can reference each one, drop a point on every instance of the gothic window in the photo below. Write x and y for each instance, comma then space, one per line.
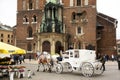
79, 30
78, 2
30, 31
73, 16
30, 4
29, 47
34, 18
25, 19
24, 2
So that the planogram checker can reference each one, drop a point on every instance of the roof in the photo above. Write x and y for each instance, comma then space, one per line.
5, 27
108, 18
118, 41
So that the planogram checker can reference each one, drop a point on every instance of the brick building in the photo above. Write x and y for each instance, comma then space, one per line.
118, 46
54, 25
6, 34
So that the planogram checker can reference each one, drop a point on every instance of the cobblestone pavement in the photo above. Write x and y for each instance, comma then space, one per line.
111, 73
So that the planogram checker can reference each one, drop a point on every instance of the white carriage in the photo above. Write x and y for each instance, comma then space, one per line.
80, 60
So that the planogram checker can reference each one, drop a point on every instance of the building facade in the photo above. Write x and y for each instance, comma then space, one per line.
118, 46
55, 25
6, 34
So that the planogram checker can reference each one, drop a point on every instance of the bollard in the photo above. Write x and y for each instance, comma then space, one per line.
29, 74
11, 75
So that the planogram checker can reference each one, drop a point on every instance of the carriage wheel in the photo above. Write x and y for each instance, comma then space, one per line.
87, 69
69, 67
99, 70
59, 68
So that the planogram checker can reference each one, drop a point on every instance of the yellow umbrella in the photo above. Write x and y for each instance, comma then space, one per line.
7, 48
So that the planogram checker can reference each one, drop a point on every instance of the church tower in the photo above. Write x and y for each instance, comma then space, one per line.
29, 16
55, 25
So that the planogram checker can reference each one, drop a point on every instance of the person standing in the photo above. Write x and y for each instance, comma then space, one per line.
23, 58
102, 59
118, 60
20, 59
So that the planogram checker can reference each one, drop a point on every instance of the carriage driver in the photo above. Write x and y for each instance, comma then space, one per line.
60, 56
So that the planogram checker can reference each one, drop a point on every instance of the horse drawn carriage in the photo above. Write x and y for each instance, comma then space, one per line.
81, 60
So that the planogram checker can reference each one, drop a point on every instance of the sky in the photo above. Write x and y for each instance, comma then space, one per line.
8, 10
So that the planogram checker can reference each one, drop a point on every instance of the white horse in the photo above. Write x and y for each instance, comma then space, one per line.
46, 61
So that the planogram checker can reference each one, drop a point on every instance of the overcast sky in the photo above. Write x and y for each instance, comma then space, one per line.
8, 10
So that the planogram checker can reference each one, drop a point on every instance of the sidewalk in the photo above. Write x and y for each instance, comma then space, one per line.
111, 69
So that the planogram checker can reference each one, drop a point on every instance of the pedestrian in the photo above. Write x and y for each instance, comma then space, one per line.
20, 59
23, 58
102, 59
118, 60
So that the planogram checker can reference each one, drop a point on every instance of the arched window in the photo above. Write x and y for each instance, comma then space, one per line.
30, 31
25, 19
30, 4
46, 46
79, 30
58, 47
34, 18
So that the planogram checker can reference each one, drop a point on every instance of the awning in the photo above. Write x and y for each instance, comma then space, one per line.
10, 49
